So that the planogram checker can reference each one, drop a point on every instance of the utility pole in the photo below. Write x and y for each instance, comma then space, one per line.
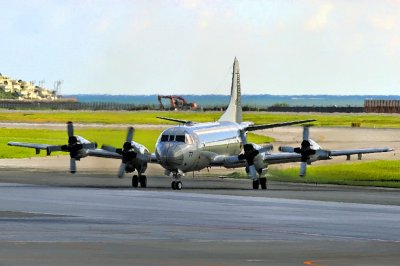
57, 86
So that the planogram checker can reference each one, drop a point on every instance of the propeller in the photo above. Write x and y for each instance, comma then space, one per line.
250, 152
126, 152
73, 147
305, 150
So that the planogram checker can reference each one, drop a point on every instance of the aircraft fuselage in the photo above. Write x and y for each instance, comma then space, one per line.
186, 147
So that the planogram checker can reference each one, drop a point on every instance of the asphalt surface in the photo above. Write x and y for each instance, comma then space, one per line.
96, 219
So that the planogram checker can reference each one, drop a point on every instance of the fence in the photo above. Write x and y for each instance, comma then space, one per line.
112, 106
55, 105
382, 106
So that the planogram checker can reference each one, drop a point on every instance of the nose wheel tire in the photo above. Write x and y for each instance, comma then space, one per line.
135, 181
143, 181
176, 185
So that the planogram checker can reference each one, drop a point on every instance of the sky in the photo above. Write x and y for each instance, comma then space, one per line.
339, 47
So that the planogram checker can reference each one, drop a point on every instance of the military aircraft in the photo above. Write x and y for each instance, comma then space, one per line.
192, 146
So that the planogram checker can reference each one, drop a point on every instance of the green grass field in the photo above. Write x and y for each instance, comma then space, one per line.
149, 117
379, 173
114, 137
376, 173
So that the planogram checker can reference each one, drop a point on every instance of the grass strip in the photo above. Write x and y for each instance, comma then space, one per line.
379, 173
149, 117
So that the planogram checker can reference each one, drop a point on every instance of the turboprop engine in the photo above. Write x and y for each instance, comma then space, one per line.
134, 156
77, 147
309, 150
252, 155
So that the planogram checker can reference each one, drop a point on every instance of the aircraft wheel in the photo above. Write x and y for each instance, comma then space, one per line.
263, 183
173, 185
143, 181
178, 185
256, 184
135, 181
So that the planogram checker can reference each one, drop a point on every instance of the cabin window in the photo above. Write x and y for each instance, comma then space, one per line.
180, 138
164, 138
171, 138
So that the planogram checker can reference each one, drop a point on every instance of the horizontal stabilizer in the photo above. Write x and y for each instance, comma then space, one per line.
175, 120
283, 124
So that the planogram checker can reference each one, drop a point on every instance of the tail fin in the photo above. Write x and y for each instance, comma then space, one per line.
234, 111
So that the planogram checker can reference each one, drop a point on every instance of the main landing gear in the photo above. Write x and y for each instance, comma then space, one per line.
141, 179
176, 185
261, 182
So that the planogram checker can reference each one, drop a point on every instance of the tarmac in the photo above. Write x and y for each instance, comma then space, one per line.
93, 218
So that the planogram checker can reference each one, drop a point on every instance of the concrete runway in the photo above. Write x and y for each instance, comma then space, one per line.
95, 219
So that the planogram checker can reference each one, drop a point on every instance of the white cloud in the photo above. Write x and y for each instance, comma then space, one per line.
320, 19
385, 22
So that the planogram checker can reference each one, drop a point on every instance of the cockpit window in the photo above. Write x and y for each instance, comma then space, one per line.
180, 138
189, 139
171, 138
164, 138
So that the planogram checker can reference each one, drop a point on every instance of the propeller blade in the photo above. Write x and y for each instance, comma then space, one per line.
303, 169
129, 135
121, 170
70, 129
252, 172
72, 165
306, 133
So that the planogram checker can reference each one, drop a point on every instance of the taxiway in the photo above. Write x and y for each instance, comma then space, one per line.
68, 222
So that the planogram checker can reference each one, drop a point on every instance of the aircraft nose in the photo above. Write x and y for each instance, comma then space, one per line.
171, 156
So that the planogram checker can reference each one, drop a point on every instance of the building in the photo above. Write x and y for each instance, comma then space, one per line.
24, 90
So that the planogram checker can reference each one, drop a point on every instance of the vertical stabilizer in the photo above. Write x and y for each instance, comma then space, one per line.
234, 111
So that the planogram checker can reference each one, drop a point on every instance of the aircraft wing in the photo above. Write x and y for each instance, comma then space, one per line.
288, 157
283, 124
48, 148
269, 158
358, 151
113, 155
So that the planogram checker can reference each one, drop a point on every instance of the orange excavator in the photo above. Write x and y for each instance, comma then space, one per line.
177, 103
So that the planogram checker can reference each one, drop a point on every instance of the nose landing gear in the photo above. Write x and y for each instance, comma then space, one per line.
177, 183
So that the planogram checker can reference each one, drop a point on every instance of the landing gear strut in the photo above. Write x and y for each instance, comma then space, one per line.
141, 179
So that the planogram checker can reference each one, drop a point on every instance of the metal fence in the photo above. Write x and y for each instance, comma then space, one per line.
382, 106
112, 106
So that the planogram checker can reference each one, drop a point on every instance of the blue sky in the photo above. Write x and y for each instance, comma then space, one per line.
188, 46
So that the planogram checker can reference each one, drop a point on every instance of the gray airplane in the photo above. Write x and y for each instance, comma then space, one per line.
192, 146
